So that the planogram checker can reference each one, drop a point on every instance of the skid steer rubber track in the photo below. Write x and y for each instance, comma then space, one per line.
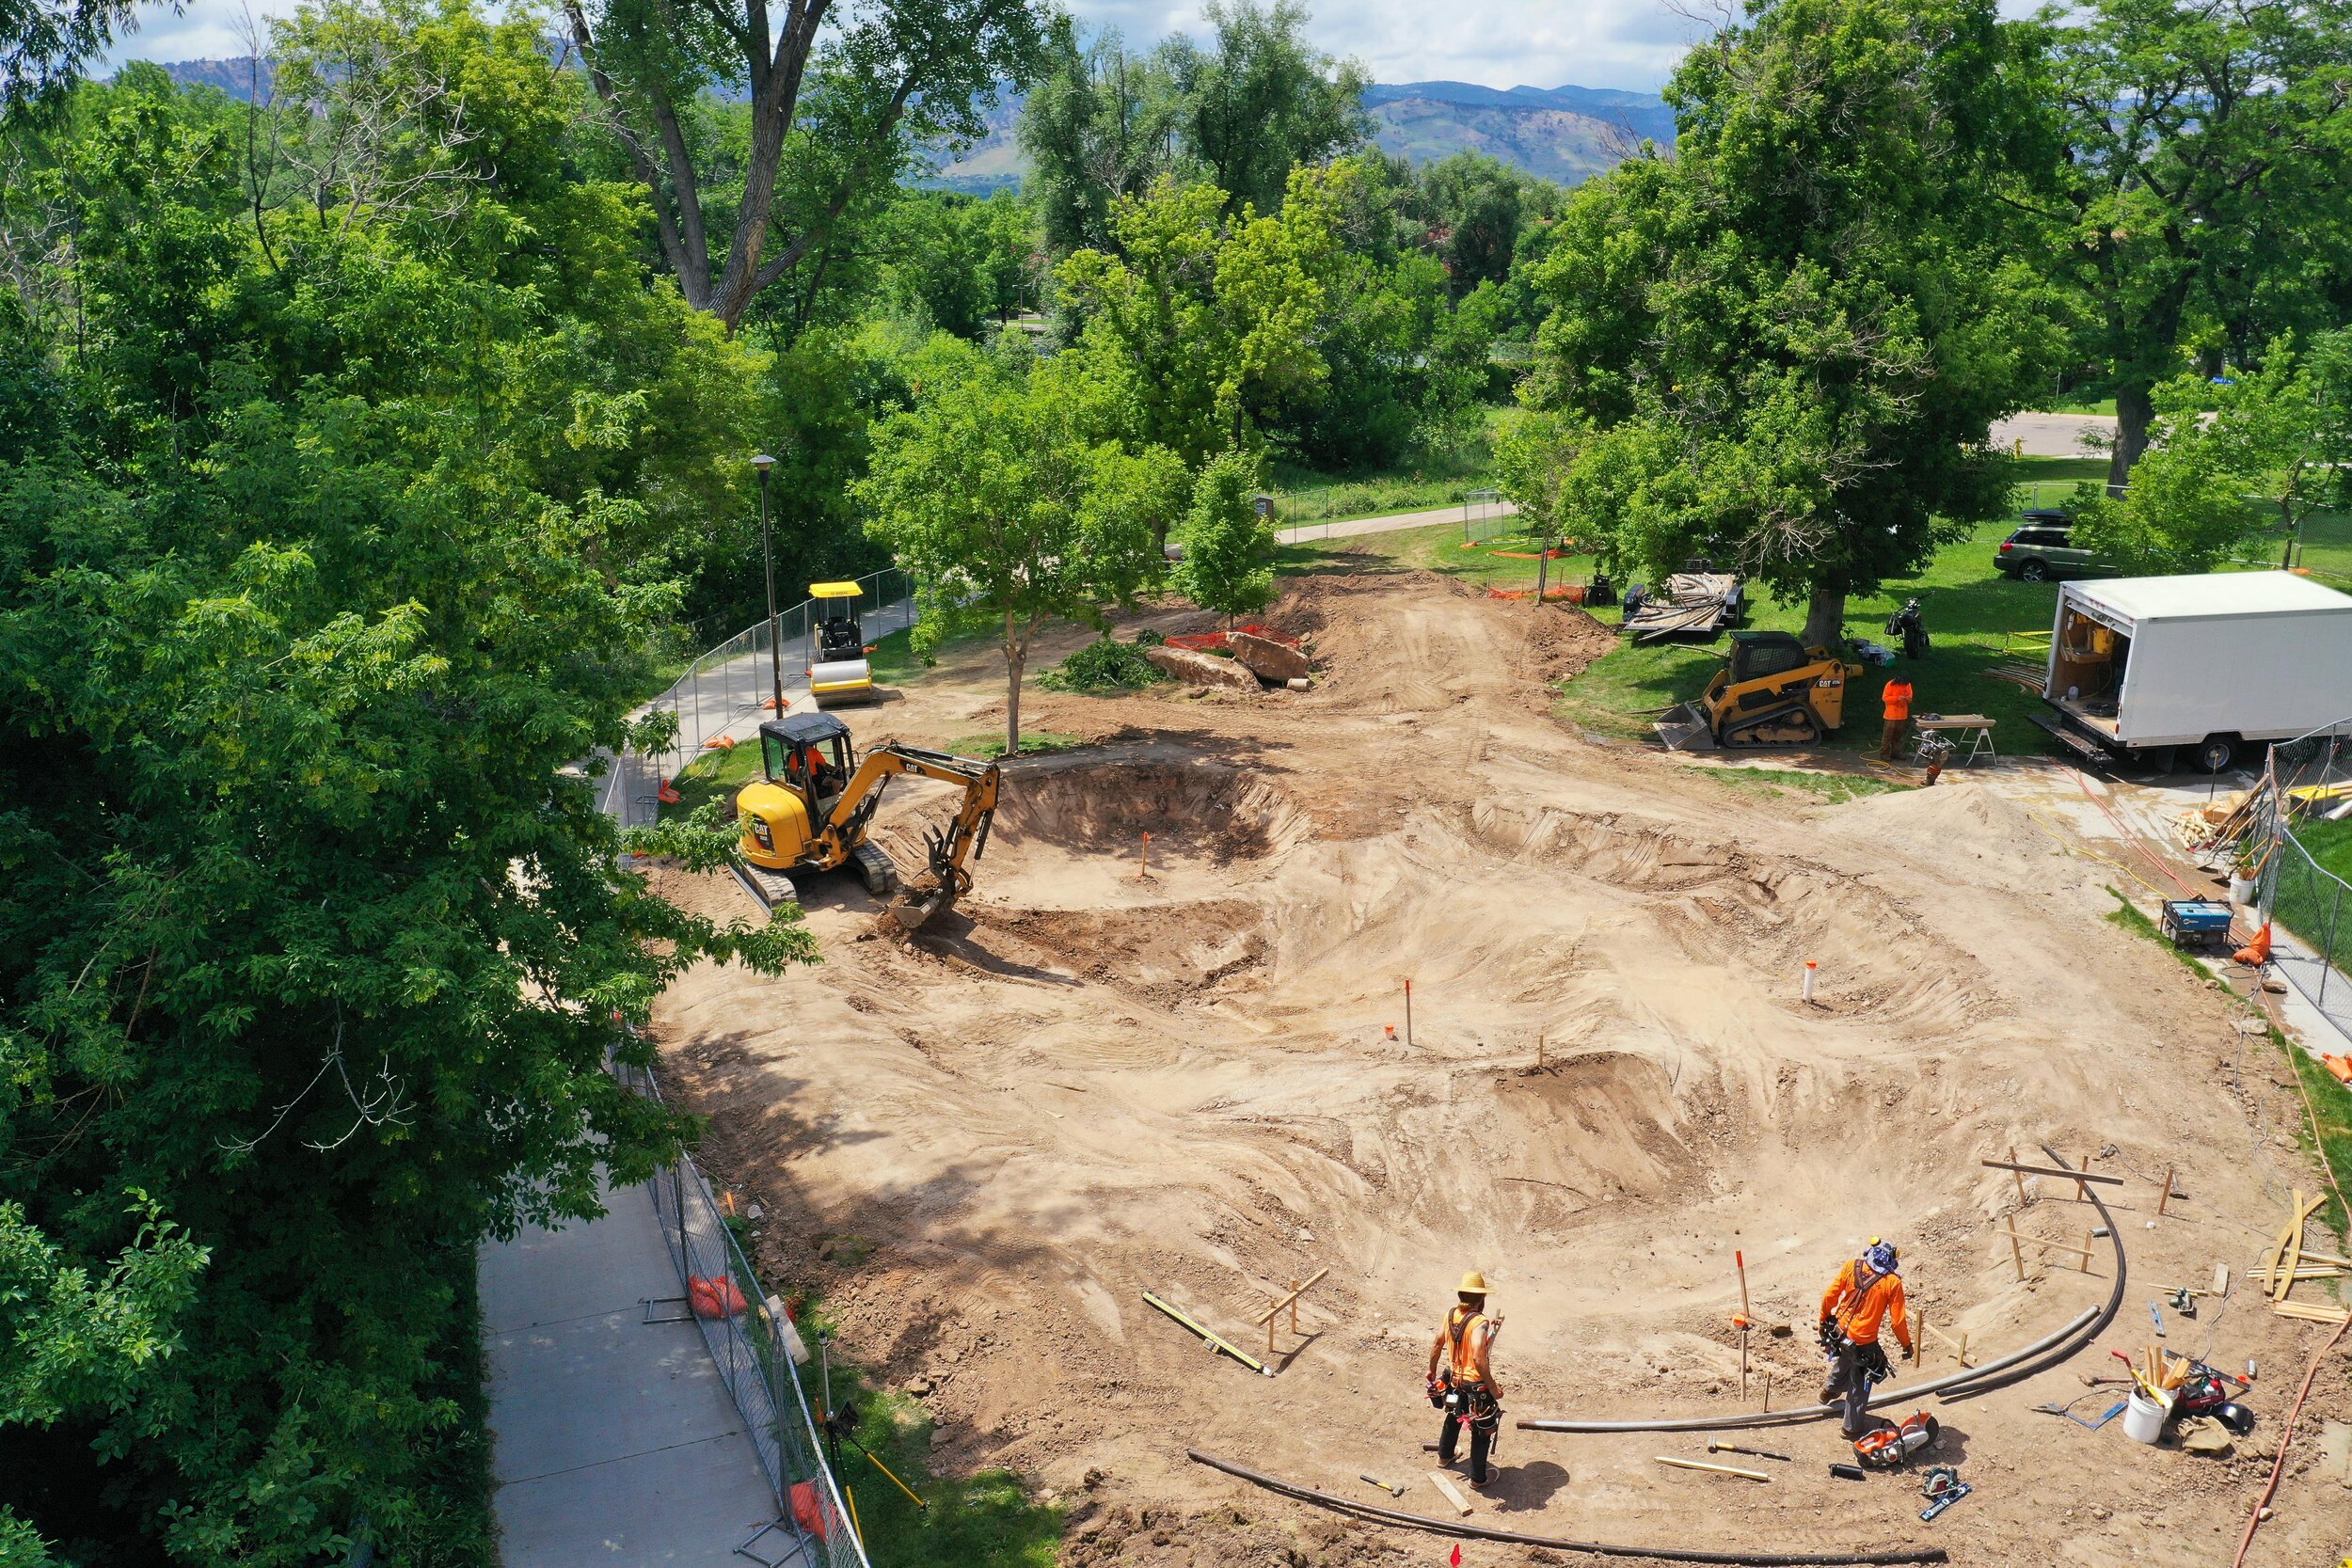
876, 871
1788, 725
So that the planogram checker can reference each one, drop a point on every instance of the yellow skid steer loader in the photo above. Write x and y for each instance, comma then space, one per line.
1772, 690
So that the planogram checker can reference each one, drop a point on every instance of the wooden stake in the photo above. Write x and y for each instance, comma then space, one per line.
2054, 1246
1539, 1054
1767, 1393
1744, 1365
1291, 1301
2166, 1197
1739, 1261
1146, 872
2082, 1194
2088, 1236
1408, 1012
2017, 1176
2016, 1254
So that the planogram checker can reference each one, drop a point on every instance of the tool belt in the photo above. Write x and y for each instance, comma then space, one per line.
1472, 1404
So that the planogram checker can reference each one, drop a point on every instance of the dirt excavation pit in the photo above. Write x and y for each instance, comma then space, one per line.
1203, 1082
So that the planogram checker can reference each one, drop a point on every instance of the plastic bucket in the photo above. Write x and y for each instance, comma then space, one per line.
2144, 1418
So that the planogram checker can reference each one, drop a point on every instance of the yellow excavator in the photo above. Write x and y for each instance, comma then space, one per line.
811, 807
1772, 690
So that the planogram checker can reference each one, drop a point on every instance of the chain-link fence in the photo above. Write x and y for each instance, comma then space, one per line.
743, 1328
1485, 515
2306, 828
733, 681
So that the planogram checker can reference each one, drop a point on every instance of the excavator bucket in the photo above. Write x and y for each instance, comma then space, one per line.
942, 882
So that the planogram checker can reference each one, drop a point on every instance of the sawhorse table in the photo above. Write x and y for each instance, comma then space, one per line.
1978, 727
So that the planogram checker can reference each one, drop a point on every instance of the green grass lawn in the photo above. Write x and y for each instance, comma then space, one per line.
1971, 610
714, 775
1304, 495
2330, 845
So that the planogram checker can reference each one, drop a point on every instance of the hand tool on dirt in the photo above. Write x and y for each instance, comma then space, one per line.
1395, 1489
2156, 1317
1713, 1469
1713, 1447
2184, 1303
1942, 1487
1215, 1341
2067, 1410
1849, 1472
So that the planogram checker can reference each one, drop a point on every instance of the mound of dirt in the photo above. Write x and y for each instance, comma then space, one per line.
1202, 1077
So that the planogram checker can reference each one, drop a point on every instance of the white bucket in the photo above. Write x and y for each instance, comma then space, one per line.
2144, 1418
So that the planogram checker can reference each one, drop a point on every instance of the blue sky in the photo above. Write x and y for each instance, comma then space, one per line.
1593, 43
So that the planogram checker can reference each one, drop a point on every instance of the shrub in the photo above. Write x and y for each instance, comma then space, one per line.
1103, 665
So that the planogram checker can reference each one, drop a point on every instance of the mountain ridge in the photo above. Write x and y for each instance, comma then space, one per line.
1566, 133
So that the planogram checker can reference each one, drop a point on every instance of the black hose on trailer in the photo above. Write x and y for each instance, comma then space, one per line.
1375, 1514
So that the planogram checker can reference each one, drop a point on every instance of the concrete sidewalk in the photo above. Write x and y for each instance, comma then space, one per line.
1395, 522
616, 1443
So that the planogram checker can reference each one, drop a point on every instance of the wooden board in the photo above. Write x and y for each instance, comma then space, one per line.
2291, 1246
1444, 1483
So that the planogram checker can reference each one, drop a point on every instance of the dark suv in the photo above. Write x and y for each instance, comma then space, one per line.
2042, 549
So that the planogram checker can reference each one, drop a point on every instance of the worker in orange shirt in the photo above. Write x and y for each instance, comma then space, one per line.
1465, 1386
1897, 700
1866, 1293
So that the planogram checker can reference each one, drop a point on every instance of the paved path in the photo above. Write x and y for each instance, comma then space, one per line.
616, 1443
1395, 522
2056, 435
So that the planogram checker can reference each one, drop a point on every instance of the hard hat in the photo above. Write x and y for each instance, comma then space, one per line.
1880, 1257
1473, 1284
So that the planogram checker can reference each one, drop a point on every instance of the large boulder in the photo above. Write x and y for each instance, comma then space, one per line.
1275, 661
1201, 669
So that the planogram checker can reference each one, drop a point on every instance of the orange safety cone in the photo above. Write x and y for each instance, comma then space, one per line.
2256, 953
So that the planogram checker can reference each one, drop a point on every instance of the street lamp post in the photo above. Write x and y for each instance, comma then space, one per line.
761, 463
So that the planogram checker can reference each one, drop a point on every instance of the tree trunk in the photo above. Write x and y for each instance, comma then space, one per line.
1825, 618
2133, 408
1016, 660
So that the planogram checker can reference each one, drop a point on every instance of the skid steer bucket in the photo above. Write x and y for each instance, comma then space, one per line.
1682, 727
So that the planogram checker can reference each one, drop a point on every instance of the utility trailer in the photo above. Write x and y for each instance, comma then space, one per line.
2204, 670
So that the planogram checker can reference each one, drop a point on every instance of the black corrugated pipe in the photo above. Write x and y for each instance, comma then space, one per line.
2014, 1367
1375, 1514
1989, 1378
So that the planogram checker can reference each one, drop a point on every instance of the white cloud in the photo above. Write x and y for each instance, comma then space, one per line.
1502, 43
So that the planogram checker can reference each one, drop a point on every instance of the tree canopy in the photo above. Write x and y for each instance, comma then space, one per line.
1787, 341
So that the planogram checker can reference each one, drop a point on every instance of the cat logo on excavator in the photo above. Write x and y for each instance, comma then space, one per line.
813, 806
1772, 690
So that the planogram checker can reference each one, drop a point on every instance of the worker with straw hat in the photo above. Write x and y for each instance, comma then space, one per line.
1464, 1386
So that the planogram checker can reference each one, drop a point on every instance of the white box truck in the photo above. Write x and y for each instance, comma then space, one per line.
2202, 670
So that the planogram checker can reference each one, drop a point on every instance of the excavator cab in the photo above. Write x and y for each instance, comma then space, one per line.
805, 760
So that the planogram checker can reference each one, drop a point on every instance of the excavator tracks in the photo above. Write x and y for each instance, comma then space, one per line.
876, 871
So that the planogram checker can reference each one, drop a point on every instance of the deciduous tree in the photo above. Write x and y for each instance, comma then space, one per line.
1790, 338
1008, 511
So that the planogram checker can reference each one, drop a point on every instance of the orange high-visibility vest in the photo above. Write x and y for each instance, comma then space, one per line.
1862, 1300
1898, 696
1465, 1336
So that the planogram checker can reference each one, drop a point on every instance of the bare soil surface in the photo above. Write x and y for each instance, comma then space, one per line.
982, 1146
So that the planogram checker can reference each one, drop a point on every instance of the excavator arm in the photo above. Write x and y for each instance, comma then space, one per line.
946, 878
